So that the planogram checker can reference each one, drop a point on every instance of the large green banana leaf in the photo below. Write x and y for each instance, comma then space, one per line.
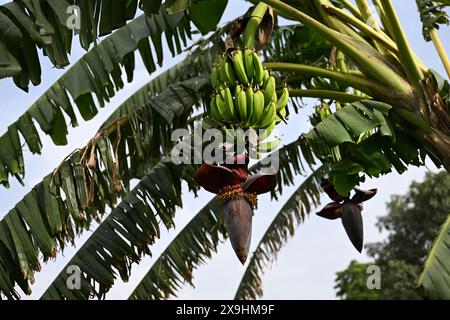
97, 73
435, 278
89, 180
29, 25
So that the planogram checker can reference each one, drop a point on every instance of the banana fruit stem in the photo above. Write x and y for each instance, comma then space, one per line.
253, 24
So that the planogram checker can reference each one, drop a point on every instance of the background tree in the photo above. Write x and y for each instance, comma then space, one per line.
412, 223
351, 284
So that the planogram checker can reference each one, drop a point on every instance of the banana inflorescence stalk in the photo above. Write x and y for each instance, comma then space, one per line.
244, 96
245, 93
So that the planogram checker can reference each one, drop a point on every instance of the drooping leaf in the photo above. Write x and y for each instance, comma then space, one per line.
77, 192
206, 14
435, 278
348, 123
432, 14
97, 73
51, 25
125, 235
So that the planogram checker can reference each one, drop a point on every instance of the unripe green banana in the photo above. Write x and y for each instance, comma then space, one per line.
249, 93
258, 67
270, 115
266, 76
223, 76
238, 62
284, 99
229, 104
215, 114
223, 109
248, 63
215, 77
229, 73
270, 90
241, 103
258, 108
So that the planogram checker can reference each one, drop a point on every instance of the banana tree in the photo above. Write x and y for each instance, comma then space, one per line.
380, 108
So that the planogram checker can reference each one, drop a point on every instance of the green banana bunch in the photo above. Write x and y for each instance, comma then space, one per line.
254, 102
222, 72
225, 106
264, 111
266, 75
267, 132
248, 67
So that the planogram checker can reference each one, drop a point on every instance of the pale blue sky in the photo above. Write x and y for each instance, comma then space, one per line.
305, 268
